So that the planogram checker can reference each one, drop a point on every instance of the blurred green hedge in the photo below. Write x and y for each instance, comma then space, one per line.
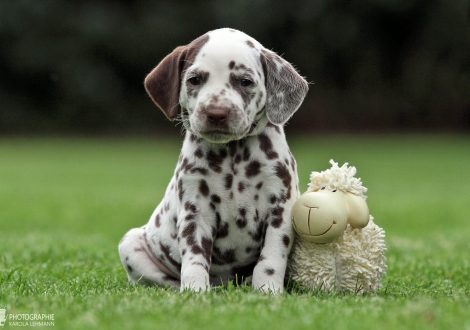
78, 66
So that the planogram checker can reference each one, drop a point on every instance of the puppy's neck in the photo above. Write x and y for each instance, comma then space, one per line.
258, 128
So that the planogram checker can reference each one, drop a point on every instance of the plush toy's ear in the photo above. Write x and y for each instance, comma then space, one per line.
285, 88
163, 84
358, 211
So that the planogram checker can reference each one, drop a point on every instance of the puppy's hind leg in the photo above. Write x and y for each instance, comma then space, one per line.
141, 266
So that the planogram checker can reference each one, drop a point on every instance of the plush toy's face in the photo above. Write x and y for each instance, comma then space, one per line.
323, 215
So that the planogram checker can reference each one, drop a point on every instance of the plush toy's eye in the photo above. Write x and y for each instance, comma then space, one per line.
245, 82
323, 188
334, 190
195, 80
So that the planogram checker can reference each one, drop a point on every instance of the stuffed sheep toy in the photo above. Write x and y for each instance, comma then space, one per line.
337, 245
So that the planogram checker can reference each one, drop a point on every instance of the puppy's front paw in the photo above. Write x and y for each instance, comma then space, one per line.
195, 279
266, 281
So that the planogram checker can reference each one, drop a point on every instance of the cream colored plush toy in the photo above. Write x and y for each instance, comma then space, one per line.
337, 245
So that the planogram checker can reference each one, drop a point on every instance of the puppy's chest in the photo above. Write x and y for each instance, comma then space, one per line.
232, 187
229, 177
235, 183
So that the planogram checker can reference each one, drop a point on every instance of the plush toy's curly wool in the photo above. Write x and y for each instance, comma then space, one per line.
353, 262
336, 177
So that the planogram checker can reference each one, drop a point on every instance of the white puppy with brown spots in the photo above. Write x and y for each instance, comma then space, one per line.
226, 212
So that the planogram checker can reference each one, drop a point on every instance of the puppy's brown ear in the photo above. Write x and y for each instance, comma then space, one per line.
285, 88
164, 82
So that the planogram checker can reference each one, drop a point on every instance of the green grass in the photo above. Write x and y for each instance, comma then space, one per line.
65, 204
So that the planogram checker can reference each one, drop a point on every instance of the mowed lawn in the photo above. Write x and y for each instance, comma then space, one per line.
65, 204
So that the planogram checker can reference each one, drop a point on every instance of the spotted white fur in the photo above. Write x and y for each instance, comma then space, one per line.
226, 212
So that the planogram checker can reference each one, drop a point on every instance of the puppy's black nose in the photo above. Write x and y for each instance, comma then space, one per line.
217, 116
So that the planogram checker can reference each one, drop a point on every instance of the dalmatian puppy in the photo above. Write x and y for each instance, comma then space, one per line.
225, 215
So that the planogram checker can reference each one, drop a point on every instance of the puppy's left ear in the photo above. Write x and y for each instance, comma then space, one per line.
285, 88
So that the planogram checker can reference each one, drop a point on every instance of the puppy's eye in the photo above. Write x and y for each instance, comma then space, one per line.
195, 80
245, 82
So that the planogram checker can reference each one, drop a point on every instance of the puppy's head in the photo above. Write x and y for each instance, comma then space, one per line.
228, 86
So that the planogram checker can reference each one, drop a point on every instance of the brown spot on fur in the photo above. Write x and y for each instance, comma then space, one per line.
199, 153
203, 188
269, 271
277, 211
216, 199
246, 92
277, 222
242, 222
222, 228
292, 163
258, 235
252, 169
215, 161
207, 248
266, 146
258, 103
286, 240
166, 251
188, 206
180, 190
276, 127
214, 98
157, 221
228, 181
200, 170
189, 230
246, 154
273, 199
283, 173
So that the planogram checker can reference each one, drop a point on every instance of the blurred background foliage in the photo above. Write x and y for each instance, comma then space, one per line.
78, 66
